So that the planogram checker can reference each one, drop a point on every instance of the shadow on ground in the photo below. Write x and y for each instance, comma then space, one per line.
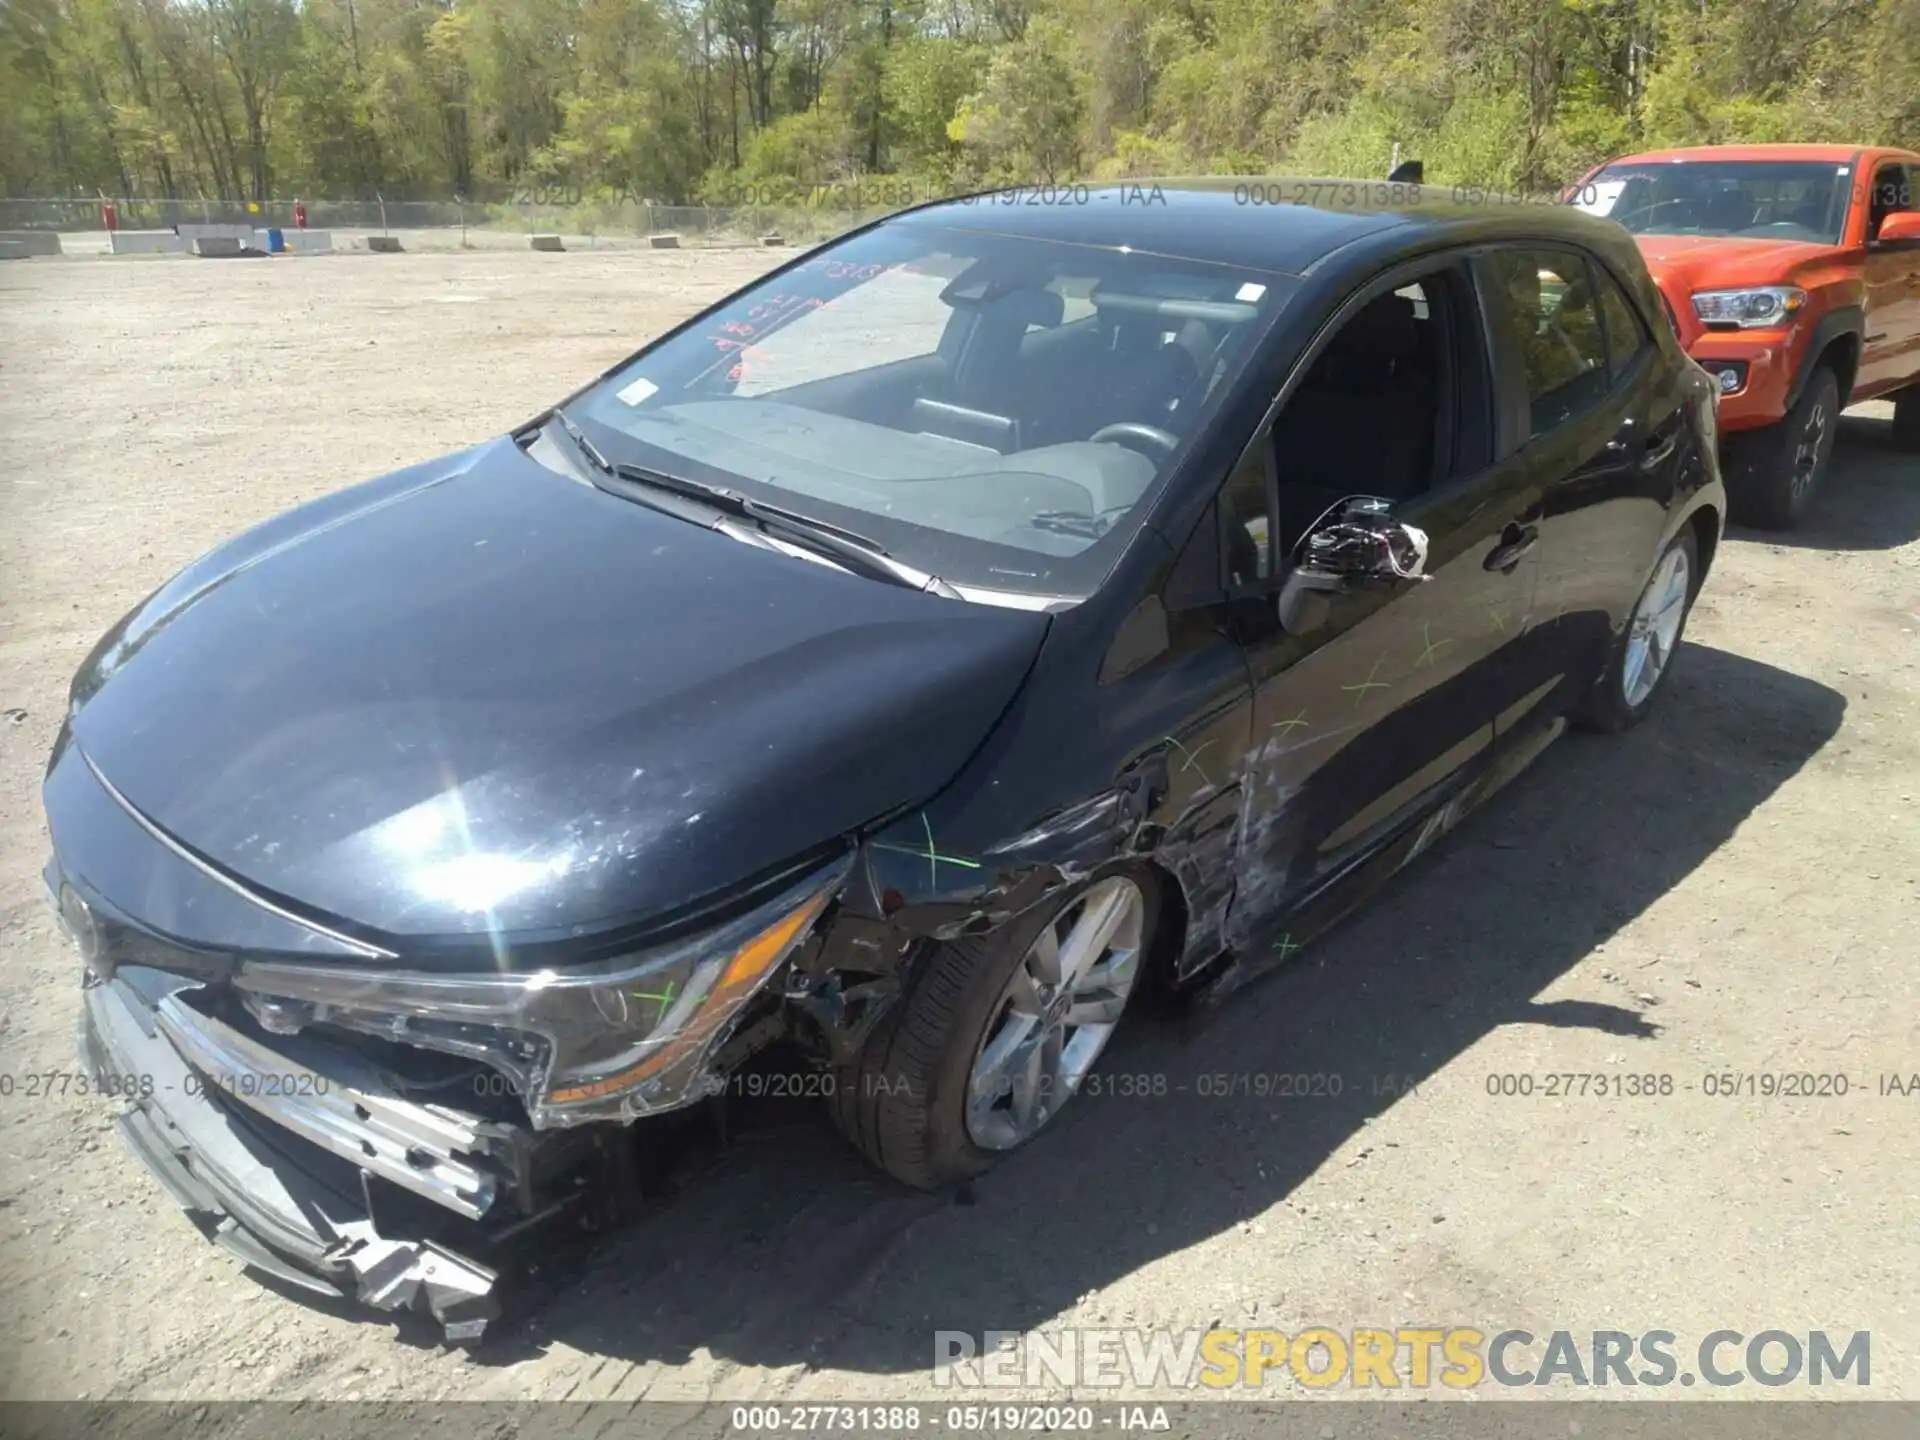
1871, 497
788, 1250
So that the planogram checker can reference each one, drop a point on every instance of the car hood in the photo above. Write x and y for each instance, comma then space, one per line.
476, 698
1682, 264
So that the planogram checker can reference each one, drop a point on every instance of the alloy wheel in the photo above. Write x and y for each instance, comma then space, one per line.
1056, 1013
1806, 453
1655, 628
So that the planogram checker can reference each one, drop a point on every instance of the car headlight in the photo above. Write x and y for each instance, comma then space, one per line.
609, 1041
1749, 309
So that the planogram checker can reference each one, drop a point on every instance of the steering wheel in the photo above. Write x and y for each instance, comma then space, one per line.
1127, 431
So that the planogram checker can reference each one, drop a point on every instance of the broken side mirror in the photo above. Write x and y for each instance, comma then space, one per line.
1355, 545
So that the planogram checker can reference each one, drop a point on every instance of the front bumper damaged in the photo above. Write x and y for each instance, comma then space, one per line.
280, 1161
376, 1133
364, 1128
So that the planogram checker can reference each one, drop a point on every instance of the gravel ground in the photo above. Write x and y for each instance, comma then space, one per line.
1730, 888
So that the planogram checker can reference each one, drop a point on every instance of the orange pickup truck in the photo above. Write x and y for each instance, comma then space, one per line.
1792, 274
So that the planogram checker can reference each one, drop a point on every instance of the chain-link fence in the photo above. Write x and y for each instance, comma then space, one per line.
452, 224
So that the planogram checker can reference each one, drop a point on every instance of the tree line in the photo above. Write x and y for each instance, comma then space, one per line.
689, 100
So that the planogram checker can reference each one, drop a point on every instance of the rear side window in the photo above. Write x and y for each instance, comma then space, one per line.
1626, 337
1546, 304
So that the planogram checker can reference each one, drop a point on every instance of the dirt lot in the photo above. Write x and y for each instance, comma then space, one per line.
1734, 887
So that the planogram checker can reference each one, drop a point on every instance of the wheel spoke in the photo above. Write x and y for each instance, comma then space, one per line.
1667, 627
1636, 663
1029, 1085
1096, 1007
1676, 590
1091, 933
1053, 1052
1044, 959
1003, 1054
1023, 994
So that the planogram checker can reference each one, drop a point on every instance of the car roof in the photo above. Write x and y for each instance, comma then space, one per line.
1834, 154
1279, 224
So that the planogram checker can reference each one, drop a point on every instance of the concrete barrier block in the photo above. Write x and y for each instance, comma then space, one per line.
664, 242
546, 242
307, 242
217, 247
146, 242
773, 239
384, 244
12, 250
193, 230
32, 242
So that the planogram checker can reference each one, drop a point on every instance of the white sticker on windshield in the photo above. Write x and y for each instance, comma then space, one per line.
1599, 197
640, 390
1249, 292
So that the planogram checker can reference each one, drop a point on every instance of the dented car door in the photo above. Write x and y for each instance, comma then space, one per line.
1375, 711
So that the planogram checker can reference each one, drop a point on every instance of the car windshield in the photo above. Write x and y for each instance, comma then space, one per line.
1764, 199
994, 409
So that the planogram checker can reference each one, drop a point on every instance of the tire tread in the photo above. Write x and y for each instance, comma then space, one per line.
887, 1126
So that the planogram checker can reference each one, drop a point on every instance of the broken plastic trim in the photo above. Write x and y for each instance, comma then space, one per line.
252, 1198
614, 1041
399, 1274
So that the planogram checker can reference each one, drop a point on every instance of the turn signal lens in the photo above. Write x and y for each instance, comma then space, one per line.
750, 965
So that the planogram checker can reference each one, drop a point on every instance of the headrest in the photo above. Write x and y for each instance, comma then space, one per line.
1019, 309
1372, 345
1386, 326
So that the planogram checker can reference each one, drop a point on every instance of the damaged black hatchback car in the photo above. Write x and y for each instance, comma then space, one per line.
911, 659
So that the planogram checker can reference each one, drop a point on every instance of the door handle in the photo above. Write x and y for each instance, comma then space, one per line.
1515, 541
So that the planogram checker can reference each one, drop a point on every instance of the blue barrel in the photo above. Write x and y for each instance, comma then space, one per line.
276, 242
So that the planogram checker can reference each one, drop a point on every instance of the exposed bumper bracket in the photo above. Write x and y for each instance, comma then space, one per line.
399, 1274
257, 1195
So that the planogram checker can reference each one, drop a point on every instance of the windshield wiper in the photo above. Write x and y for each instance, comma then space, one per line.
852, 551
580, 440
1071, 522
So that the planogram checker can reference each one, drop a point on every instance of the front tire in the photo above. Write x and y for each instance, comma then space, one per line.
1643, 656
997, 1032
1782, 467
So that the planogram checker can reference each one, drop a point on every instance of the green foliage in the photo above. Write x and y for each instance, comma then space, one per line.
1355, 141
1024, 122
673, 100
928, 78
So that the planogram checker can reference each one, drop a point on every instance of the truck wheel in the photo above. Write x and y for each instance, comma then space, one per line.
1779, 469
996, 1033
1644, 654
1906, 418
